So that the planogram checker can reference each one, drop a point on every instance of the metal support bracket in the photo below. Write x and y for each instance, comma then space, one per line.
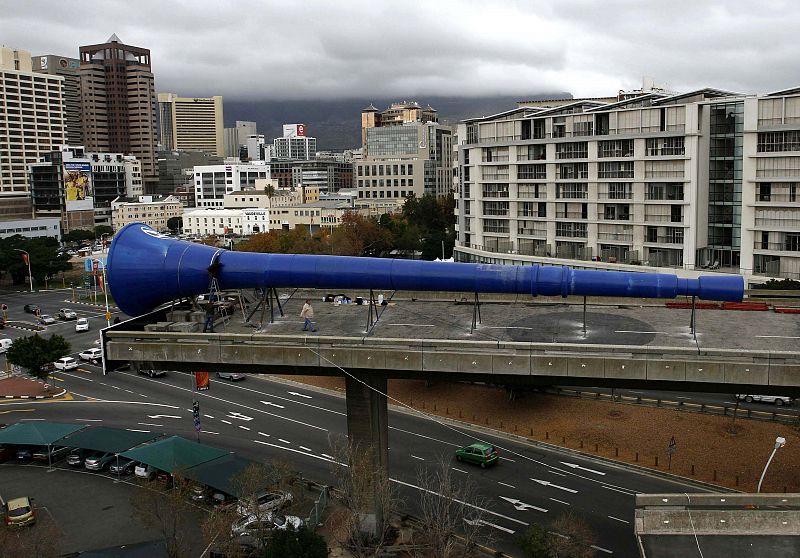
476, 313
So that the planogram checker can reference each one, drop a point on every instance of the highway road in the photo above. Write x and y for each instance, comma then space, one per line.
261, 418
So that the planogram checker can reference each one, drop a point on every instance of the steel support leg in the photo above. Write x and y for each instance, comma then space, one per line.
476, 313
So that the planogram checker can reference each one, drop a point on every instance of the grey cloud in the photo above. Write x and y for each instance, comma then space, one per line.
361, 48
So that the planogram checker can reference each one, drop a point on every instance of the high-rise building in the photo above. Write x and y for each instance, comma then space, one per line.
67, 68
118, 103
708, 179
295, 144
236, 137
31, 124
190, 123
403, 157
396, 115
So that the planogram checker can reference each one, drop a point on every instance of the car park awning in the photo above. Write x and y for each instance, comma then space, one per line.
108, 440
37, 433
220, 474
174, 453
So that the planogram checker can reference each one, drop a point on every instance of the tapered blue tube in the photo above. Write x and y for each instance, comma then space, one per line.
146, 269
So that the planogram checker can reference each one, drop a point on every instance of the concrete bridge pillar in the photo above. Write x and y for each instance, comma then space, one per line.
368, 429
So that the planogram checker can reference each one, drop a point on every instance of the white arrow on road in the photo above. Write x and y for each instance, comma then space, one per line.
162, 416
240, 416
522, 506
576, 466
548, 483
273, 404
300, 395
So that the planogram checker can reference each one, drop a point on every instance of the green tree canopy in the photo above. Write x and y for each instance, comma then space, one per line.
44, 258
32, 353
79, 235
175, 223
100, 230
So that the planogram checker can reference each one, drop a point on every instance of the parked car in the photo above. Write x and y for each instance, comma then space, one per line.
77, 457
32, 308
91, 354
266, 501
7, 452
98, 462
778, 400
51, 456
152, 373
164, 479
199, 493
66, 363
19, 512
251, 525
46, 319
232, 376
82, 324
143, 471
67, 314
123, 466
24, 453
478, 453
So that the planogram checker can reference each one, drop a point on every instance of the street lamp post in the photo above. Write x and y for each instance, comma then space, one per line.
105, 290
779, 443
27, 259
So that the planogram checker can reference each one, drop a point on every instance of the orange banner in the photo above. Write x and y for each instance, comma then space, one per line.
201, 381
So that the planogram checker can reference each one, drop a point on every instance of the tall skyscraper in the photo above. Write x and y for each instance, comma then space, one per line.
67, 68
31, 124
118, 103
190, 123
237, 136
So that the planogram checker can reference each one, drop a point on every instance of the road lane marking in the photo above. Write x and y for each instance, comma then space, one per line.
264, 434
305, 448
273, 404
17, 411
489, 524
238, 415
298, 394
620, 491
557, 473
463, 503
508, 485
208, 416
415, 457
136, 430
641, 332
243, 427
30, 419
149, 424
520, 505
206, 395
410, 325
561, 502
284, 441
89, 420
576, 466
163, 416
679, 397
776, 337
225, 421
210, 432
289, 399
326, 456
618, 519
460, 470
601, 549
559, 487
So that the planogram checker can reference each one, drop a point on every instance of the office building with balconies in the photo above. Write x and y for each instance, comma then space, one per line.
705, 180
213, 182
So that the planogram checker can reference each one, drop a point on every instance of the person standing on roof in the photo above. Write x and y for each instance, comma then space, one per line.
308, 313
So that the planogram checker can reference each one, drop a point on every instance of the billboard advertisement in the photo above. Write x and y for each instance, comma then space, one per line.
78, 191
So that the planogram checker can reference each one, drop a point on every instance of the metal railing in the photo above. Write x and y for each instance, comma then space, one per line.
315, 514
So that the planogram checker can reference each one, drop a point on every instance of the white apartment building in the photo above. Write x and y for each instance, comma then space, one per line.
213, 182
705, 180
222, 222
32, 120
155, 211
294, 144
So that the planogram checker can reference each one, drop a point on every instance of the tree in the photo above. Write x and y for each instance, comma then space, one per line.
168, 513
535, 542
78, 235
452, 512
571, 537
45, 261
367, 497
175, 224
101, 230
33, 352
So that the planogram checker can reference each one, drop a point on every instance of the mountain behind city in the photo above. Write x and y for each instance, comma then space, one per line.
337, 123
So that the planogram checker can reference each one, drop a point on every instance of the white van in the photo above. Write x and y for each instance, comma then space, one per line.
4, 345
82, 324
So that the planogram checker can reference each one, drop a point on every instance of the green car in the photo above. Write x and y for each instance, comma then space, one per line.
478, 453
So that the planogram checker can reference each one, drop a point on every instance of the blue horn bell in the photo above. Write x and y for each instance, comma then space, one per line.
147, 269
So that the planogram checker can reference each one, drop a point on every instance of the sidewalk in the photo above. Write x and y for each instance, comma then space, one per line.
24, 387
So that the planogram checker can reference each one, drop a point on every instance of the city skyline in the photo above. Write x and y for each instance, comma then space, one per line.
447, 48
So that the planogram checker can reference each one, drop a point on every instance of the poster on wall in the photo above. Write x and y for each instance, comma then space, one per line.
78, 191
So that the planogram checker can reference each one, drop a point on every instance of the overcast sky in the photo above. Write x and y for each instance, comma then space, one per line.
362, 49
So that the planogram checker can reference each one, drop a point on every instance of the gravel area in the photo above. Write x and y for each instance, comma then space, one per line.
706, 449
